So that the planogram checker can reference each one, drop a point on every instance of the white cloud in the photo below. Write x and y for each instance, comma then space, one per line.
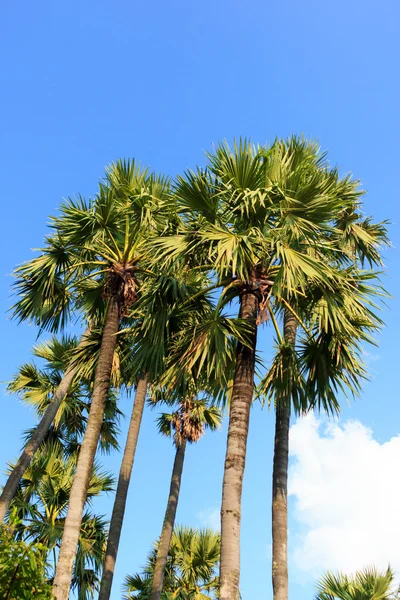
347, 489
210, 517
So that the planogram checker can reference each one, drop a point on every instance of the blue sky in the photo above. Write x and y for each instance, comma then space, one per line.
84, 83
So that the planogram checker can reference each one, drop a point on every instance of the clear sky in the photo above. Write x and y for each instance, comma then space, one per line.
84, 83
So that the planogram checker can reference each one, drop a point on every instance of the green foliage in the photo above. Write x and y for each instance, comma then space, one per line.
191, 571
23, 569
38, 511
368, 584
281, 220
90, 239
190, 420
277, 221
36, 386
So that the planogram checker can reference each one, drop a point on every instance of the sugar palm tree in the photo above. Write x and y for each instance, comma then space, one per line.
368, 584
48, 297
303, 376
108, 237
255, 217
191, 570
327, 360
187, 425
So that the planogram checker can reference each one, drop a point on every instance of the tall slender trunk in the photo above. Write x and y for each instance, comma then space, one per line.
242, 395
122, 490
37, 438
280, 581
77, 499
169, 522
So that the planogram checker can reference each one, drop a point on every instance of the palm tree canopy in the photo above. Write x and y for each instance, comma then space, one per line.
191, 571
283, 221
36, 386
189, 421
181, 337
368, 584
254, 206
95, 244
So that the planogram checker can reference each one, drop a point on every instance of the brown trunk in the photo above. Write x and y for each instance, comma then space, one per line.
279, 482
63, 576
37, 438
242, 395
122, 490
168, 525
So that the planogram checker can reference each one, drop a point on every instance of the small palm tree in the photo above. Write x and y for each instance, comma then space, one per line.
191, 569
368, 584
35, 386
37, 514
308, 369
187, 425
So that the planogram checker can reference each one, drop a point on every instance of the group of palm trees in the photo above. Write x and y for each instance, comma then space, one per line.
152, 270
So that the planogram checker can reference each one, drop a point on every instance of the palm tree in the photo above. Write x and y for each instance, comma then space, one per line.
368, 584
262, 220
303, 376
46, 299
191, 570
241, 223
279, 473
34, 442
327, 361
37, 514
108, 237
187, 425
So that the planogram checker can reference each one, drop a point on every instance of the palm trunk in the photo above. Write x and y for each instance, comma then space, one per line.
122, 490
242, 395
280, 581
169, 522
37, 438
77, 499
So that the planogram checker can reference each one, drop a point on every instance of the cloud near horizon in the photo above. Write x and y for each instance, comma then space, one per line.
346, 491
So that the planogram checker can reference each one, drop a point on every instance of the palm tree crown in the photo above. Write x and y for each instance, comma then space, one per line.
368, 584
191, 571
